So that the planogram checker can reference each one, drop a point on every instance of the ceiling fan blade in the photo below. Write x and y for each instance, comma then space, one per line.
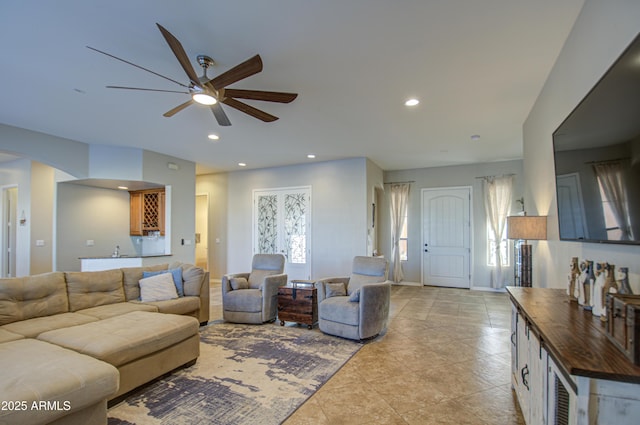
139, 88
249, 110
178, 108
180, 54
267, 96
245, 69
137, 66
221, 117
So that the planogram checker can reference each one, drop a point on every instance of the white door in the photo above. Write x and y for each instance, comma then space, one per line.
282, 224
9, 220
446, 240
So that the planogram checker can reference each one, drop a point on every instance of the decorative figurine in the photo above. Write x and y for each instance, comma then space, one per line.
598, 290
583, 284
572, 284
589, 285
610, 287
622, 276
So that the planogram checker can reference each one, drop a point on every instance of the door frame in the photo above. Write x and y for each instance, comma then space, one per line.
471, 229
206, 236
309, 234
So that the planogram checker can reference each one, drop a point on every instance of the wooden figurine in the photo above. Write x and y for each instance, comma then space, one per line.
610, 287
572, 284
622, 276
589, 285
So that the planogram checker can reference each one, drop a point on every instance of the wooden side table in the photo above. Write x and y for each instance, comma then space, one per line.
298, 302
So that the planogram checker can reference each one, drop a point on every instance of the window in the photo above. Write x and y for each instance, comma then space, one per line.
404, 241
491, 247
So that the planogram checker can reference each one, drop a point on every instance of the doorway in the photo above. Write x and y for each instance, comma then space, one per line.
446, 237
9, 231
202, 231
282, 224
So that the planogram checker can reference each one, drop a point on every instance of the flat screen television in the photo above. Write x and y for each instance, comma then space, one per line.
597, 159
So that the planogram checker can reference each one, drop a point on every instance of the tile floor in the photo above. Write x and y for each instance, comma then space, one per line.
445, 359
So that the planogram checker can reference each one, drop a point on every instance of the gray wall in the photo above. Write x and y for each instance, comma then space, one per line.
443, 177
338, 204
601, 33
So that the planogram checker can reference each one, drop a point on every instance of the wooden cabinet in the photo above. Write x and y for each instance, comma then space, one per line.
147, 212
564, 368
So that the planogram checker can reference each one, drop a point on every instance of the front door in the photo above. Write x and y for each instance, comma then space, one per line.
282, 224
446, 237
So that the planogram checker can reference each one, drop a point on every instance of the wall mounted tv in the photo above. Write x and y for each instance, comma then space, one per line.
597, 159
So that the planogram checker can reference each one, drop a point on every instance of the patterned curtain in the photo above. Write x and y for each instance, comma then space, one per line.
399, 198
497, 203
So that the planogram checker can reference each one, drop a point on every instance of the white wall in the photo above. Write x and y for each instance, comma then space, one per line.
215, 186
443, 177
601, 33
339, 212
18, 174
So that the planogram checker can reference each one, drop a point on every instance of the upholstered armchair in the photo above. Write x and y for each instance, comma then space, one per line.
356, 307
253, 297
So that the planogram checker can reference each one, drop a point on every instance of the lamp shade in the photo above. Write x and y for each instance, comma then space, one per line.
527, 227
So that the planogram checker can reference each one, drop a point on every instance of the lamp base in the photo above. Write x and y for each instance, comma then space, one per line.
525, 265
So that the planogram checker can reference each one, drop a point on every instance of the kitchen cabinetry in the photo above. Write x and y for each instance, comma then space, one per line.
147, 212
564, 368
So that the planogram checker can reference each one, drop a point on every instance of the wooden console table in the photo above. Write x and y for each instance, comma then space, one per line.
564, 367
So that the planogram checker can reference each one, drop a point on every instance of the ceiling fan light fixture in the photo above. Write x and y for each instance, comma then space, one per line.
204, 99
412, 102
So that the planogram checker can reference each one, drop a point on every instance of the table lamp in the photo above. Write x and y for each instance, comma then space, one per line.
526, 227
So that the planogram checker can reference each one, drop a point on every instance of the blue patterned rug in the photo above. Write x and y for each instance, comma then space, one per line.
246, 374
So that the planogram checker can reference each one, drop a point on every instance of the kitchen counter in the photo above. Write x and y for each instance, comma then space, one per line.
92, 264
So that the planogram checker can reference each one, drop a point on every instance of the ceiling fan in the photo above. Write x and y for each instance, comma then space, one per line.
213, 92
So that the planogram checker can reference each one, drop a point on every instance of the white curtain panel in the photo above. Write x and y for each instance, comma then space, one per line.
611, 178
399, 199
497, 203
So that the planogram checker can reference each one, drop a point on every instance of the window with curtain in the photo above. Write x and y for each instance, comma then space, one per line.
398, 205
492, 246
404, 241
615, 206
497, 204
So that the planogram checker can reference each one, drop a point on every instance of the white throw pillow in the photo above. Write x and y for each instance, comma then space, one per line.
158, 288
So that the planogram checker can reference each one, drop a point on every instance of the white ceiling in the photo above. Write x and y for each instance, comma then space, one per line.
477, 67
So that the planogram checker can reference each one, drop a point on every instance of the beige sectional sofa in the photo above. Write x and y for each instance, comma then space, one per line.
70, 342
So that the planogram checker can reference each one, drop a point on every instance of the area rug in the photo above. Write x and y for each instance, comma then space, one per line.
246, 374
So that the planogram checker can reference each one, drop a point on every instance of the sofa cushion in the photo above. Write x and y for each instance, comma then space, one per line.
111, 310
256, 278
157, 288
245, 300
44, 372
182, 305
91, 289
6, 336
176, 274
40, 295
340, 309
122, 339
192, 277
336, 289
132, 275
31, 328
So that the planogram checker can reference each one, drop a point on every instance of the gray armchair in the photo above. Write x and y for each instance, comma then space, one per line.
253, 297
356, 307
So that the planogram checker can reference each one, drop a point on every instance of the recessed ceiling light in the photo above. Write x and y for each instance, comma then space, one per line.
123, 188
311, 156
475, 137
412, 102
213, 137
242, 164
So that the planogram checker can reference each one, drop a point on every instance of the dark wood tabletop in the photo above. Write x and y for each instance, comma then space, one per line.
575, 338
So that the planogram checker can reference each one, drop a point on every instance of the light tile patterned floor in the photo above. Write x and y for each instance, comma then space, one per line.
445, 359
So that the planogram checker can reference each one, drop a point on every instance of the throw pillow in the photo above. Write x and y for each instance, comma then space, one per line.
355, 296
335, 289
176, 274
157, 288
239, 283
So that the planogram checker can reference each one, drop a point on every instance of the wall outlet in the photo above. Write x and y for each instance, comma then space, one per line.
90, 242
187, 242
39, 242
